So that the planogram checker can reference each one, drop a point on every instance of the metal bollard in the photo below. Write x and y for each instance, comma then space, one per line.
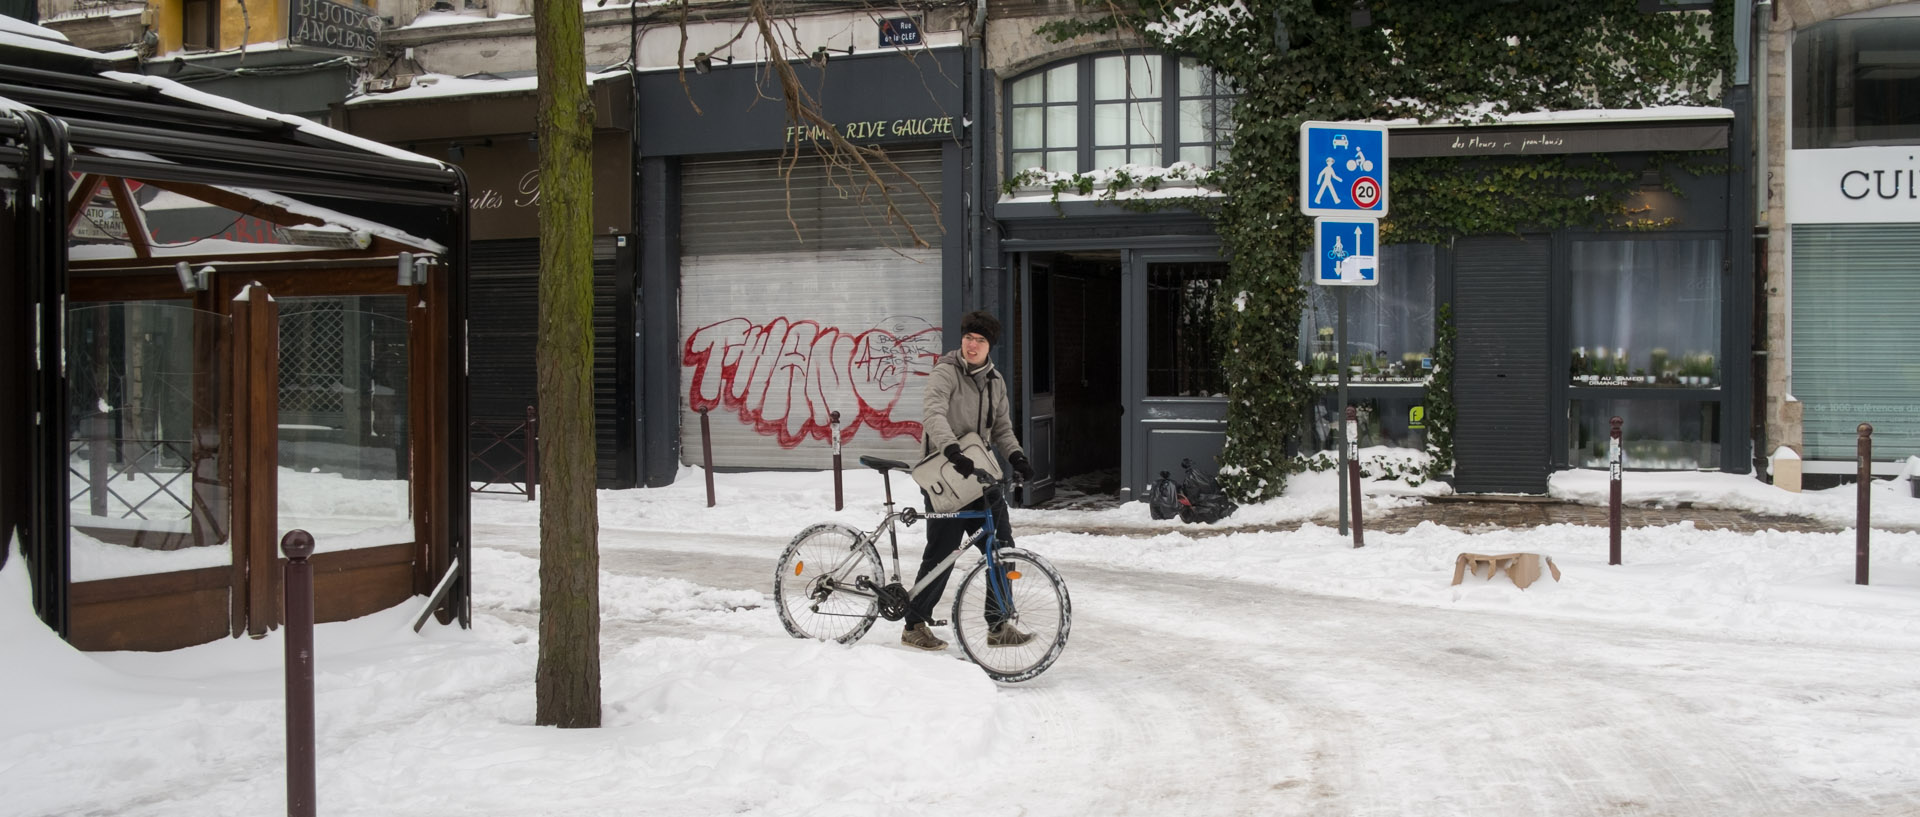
298, 595
1352, 445
706, 452
1616, 460
533, 453
1864, 528
839, 500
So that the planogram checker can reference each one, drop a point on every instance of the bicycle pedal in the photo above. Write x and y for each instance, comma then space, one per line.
939, 623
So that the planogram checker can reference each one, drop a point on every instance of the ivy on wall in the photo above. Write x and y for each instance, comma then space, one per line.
1465, 61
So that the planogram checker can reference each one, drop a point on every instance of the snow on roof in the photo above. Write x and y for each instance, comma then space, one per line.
445, 86
12, 25
332, 218
20, 34
1587, 116
181, 92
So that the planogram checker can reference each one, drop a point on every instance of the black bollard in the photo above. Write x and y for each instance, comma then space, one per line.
1864, 528
706, 452
838, 498
1616, 460
1352, 444
532, 447
298, 594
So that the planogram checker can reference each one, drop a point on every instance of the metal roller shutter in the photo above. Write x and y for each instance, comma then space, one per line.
1500, 374
779, 327
503, 329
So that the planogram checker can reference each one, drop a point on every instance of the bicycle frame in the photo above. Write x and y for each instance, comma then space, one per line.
996, 579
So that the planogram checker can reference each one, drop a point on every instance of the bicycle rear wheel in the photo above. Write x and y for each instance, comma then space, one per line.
817, 584
1040, 606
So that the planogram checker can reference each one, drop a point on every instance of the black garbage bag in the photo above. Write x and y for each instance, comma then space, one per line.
1164, 501
1201, 499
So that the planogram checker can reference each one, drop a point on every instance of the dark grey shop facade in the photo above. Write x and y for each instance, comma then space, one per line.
1557, 330
734, 274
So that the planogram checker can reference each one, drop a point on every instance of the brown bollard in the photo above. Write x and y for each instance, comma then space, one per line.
1864, 528
1352, 444
298, 594
838, 499
1616, 461
533, 453
706, 452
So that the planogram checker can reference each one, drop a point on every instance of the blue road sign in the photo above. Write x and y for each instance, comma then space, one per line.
1343, 169
1346, 251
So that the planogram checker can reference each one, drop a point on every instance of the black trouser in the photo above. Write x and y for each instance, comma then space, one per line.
943, 538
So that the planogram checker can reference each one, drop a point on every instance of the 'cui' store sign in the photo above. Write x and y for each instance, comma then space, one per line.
1866, 185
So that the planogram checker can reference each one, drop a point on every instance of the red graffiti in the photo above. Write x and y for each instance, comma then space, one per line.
786, 377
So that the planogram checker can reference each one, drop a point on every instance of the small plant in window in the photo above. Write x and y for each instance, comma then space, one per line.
1657, 364
1620, 362
1410, 365
1580, 367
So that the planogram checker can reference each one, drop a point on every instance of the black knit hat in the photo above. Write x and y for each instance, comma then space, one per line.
981, 323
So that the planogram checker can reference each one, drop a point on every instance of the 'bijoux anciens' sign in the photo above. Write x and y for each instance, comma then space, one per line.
1868, 185
325, 25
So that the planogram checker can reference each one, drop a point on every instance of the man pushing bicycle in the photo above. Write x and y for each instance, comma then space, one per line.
965, 394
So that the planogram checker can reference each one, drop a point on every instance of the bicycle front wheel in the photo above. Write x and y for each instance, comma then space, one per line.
818, 585
1032, 598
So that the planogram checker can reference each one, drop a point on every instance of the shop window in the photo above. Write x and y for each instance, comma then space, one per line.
1183, 338
1655, 435
1646, 313
1856, 81
143, 452
1117, 109
1389, 420
1855, 298
344, 431
1389, 324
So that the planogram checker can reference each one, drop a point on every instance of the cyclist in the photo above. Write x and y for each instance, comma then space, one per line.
964, 394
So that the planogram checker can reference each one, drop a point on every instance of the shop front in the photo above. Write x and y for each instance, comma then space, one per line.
487, 130
1119, 363
1645, 318
812, 297
1845, 290
178, 404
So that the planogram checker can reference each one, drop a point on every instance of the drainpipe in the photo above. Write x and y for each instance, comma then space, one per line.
974, 292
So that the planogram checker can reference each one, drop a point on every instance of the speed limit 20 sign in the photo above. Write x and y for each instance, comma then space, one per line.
1343, 169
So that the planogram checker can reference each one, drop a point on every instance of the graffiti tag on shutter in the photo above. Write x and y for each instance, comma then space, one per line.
786, 377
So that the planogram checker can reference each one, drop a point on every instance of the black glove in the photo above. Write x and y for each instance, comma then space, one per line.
1020, 465
959, 460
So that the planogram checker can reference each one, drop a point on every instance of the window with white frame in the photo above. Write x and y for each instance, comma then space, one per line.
1109, 110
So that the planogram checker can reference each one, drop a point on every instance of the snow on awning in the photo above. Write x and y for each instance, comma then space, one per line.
1634, 130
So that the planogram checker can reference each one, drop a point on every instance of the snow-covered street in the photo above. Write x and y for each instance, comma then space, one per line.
1715, 673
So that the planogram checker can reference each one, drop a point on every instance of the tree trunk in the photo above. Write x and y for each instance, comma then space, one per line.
567, 683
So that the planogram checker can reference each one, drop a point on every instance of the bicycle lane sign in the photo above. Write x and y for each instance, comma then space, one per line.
1343, 169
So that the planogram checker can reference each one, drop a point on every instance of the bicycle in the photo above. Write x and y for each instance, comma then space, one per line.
830, 586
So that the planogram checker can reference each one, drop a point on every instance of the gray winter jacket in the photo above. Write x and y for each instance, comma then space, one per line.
959, 401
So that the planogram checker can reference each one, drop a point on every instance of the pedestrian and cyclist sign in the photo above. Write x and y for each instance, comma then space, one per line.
1343, 169
1346, 251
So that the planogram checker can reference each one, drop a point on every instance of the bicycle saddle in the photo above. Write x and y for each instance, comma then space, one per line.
883, 465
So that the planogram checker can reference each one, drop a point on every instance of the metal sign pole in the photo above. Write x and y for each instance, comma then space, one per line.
1339, 417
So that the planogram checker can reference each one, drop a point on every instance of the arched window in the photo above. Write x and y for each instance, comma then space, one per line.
1109, 110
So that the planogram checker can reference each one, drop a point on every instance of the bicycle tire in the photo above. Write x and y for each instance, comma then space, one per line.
1041, 607
819, 559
